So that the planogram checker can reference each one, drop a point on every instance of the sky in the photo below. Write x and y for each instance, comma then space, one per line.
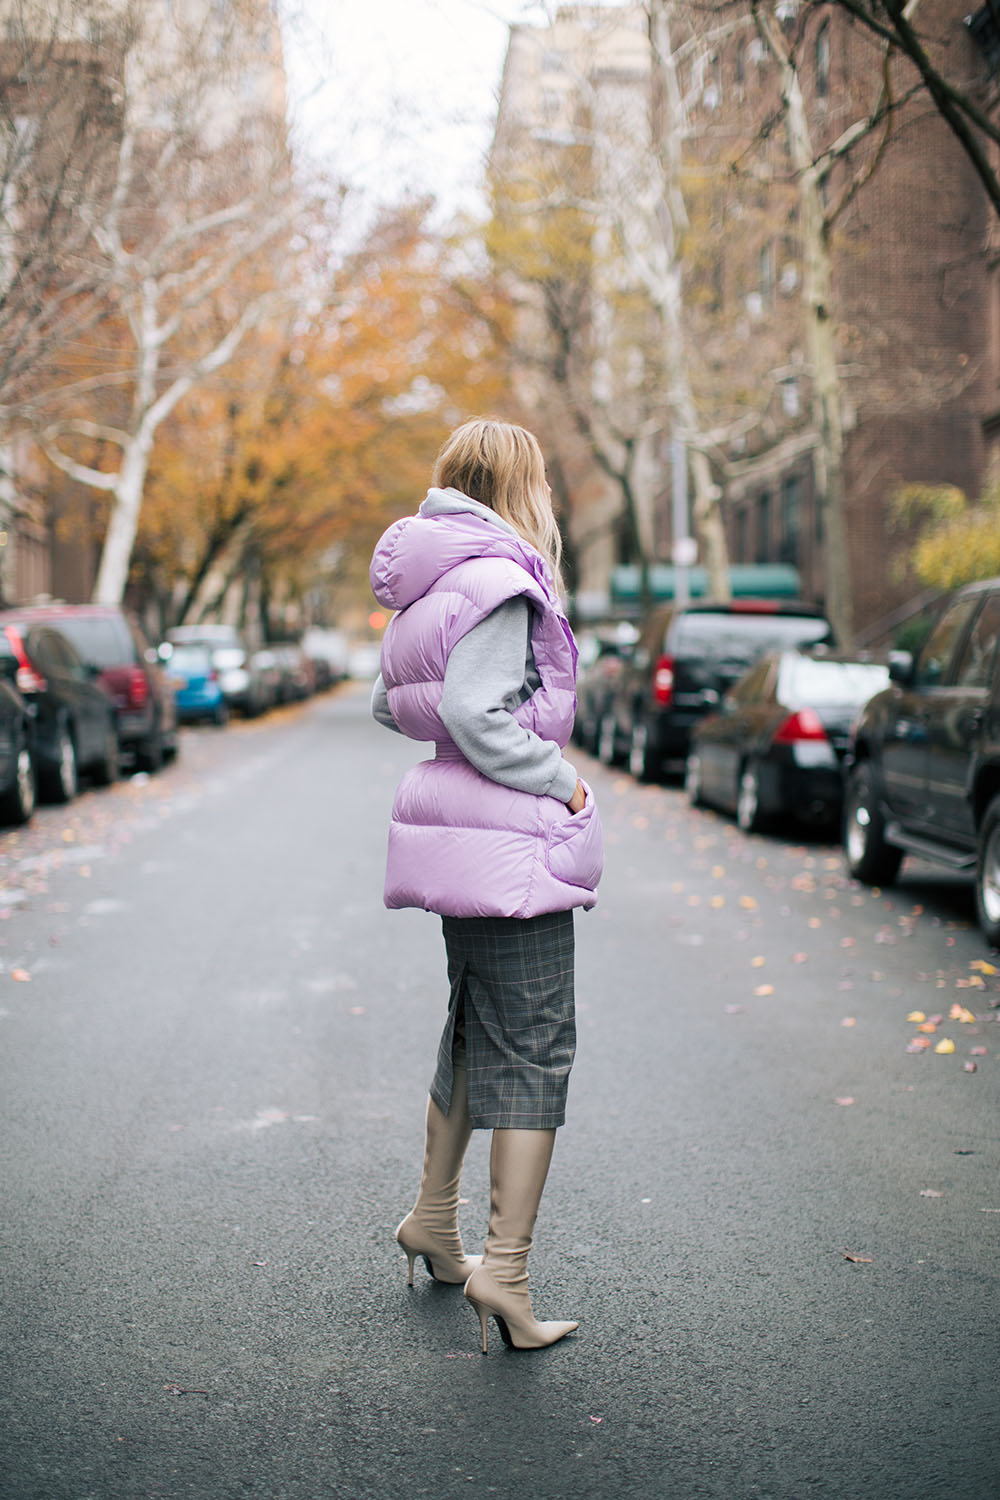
399, 94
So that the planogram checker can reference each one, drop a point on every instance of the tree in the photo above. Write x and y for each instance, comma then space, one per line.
320, 430
189, 241
59, 115
957, 539
945, 70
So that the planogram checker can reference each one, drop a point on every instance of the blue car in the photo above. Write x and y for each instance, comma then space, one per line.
199, 692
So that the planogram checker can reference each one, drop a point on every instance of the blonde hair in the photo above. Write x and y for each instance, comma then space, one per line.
501, 466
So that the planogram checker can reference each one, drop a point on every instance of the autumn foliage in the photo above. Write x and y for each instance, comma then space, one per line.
321, 430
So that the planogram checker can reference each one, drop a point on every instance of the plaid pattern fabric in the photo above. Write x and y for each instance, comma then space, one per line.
511, 1010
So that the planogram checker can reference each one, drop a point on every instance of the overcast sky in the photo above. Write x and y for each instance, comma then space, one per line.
399, 93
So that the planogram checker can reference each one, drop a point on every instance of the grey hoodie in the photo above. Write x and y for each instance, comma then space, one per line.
490, 671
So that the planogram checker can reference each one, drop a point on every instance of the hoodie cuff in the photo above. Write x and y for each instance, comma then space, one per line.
564, 782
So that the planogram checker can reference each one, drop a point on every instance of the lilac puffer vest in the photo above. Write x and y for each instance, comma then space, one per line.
461, 844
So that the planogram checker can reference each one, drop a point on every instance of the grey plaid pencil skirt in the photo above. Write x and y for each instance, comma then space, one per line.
511, 1010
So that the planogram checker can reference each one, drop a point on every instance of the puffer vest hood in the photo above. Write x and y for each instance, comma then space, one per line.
461, 844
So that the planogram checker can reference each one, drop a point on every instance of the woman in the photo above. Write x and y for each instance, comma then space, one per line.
496, 834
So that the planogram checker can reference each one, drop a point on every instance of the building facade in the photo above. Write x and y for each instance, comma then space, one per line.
915, 296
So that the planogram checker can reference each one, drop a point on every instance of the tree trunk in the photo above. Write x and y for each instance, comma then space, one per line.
126, 503
667, 125
817, 300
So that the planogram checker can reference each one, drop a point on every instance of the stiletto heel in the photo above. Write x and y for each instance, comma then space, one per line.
411, 1256
484, 1318
442, 1255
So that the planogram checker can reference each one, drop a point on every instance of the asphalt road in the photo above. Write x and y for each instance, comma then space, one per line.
214, 1050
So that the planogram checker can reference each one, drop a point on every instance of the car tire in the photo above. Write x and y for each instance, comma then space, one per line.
220, 718
150, 753
63, 779
987, 885
692, 781
607, 741
869, 857
106, 770
18, 803
749, 817
641, 760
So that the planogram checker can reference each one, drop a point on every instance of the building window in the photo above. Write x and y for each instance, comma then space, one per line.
767, 274
823, 61
764, 527
742, 534
790, 500
791, 403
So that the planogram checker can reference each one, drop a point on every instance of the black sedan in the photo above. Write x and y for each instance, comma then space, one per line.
17, 764
778, 739
72, 722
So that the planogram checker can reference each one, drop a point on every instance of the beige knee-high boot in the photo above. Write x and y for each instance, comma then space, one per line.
519, 1164
431, 1229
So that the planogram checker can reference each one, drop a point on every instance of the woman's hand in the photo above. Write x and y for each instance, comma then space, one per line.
578, 801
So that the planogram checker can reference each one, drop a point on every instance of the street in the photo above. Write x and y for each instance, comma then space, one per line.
774, 1215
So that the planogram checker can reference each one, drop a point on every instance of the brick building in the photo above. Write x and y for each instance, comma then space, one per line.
916, 285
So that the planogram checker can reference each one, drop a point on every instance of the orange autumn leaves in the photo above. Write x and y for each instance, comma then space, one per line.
324, 427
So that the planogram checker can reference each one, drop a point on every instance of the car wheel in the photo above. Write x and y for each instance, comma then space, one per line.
18, 802
607, 741
748, 814
641, 761
107, 768
988, 874
64, 779
150, 754
869, 857
692, 781
220, 717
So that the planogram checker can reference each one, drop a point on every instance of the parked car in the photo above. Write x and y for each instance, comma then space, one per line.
365, 660
684, 661
242, 685
924, 773
603, 653
73, 720
199, 691
268, 669
777, 742
18, 781
113, 645
298, 675
327, 650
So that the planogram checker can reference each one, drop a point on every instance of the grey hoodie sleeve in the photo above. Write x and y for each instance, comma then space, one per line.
483, 681
380, 706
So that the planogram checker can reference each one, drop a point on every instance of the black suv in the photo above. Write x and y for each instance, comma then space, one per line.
685, 659
924, 773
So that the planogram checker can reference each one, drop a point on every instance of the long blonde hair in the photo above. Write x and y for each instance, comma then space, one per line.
501, 466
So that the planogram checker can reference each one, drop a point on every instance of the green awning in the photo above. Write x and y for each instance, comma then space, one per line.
747, 581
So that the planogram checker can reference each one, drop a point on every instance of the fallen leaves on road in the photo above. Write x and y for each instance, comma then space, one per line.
21, 976
848, 1099
764, 989
945, 1045
858, 1260
930, 1193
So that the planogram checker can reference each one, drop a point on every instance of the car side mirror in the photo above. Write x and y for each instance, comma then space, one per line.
901, 667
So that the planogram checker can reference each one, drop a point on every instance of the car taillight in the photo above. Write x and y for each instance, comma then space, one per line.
27, 679
138, 688
806, 724
805, 736
663, 680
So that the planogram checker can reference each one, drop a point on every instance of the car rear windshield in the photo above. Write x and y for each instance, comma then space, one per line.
102, 642
191, 659
744, 637
805, 683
